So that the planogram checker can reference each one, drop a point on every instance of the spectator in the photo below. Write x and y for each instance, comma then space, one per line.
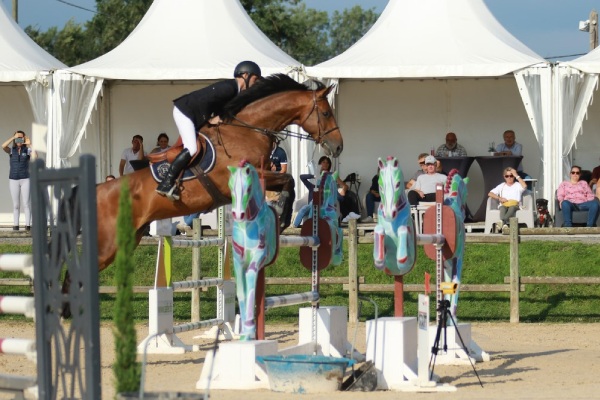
185, 227
135, 152
419, 172
509, 196
425, 185
451, 148
511, 147
18, 176
162, 143
325, 165
575, 195
109, 178
595, 177
279, 161
372, 198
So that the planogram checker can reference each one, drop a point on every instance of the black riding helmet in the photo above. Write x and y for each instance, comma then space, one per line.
249, 67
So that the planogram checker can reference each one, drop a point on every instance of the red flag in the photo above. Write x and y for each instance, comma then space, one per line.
427, 283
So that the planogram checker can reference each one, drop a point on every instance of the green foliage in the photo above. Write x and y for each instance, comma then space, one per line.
126, 368
304, 33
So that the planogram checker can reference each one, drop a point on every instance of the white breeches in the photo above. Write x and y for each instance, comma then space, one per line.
187, 131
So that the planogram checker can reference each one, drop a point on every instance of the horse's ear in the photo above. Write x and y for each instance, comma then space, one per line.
325, 91
466, 180
380, 163
231, 169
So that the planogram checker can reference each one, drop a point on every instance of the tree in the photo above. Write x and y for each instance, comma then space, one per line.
348, 27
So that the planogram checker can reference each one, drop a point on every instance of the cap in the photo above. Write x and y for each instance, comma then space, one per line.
430, 160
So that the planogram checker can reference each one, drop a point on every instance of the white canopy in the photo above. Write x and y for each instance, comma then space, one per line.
179, 46
400, 81
589, 63
189, 39
22, 59
429, 39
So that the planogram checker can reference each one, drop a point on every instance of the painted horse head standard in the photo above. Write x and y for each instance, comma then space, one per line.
394, 234
255, 239
456, 199
328, 212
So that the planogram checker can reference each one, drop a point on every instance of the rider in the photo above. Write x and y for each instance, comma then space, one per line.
193, 110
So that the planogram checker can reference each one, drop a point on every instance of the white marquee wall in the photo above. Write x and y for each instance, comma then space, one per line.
406, 117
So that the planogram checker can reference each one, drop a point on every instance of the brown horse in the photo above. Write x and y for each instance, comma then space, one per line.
253, 119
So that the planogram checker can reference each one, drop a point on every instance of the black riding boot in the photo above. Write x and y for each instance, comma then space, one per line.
167, 187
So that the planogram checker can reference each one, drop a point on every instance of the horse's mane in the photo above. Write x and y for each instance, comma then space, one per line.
451, 174
262, 88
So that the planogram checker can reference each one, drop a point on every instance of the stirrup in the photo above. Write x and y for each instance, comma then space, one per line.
172, 194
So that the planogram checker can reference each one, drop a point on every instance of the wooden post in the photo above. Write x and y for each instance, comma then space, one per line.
196, 269
593, 30
352, 271
514, 270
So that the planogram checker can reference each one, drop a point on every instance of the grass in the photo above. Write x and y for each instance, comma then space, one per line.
483, 264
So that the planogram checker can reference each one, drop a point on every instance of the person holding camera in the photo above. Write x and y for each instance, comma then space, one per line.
509, 196
18, 177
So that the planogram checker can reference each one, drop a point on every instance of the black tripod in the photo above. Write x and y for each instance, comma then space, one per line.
444, 310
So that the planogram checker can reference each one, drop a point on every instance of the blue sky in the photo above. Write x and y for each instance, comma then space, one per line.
548, 27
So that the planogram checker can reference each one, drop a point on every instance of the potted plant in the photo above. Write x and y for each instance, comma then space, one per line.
492, 148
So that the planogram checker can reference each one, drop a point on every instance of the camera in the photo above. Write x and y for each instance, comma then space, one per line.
19, 140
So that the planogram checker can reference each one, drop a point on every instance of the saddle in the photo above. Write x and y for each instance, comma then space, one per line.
172, 152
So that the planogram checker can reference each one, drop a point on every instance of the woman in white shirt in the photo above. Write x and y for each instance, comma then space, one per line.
509, 195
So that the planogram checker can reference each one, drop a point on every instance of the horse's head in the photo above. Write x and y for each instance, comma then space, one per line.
456, 188
318, 120
246, 193
391, 189
277, 101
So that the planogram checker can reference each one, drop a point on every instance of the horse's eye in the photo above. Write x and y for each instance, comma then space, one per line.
326, 114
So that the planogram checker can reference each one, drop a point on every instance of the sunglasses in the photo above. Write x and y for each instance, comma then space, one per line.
575, 172
421, 162
509, 176
429, 164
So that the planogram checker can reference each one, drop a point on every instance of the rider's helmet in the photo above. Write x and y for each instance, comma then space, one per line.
249, 67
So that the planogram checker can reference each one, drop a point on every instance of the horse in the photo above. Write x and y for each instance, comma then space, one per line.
254, 237
394, 236
456, 199
252, 121
328, 212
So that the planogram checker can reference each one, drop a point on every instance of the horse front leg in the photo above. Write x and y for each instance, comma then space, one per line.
379, 250
283, 183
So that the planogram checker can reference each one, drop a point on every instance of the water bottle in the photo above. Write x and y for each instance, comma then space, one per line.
432, 151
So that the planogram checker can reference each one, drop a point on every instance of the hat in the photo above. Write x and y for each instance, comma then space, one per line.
430, 160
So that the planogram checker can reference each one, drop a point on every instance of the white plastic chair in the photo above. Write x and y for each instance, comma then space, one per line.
524, 215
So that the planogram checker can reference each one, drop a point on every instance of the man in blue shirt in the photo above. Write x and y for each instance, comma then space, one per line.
510, 147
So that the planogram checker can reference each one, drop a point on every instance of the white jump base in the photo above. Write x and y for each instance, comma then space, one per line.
234, 365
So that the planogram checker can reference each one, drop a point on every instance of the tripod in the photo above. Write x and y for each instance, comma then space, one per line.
444, 310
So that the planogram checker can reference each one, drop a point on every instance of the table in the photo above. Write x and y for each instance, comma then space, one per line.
462, 164
492, 168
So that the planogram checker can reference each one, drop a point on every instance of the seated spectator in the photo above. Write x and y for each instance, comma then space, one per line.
372, 198
595, 177
162, 143
425, 186
325, 166
511, 147
419, 172
109, 178
575, 195
185, 227
509, 196
451, 148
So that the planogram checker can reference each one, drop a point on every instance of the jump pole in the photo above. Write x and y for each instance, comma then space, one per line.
162, 338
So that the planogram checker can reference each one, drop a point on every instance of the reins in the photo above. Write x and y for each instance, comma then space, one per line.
285, 133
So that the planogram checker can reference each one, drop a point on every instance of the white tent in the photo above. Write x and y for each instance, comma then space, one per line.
577, 82
25, 87
179, 46
428, 67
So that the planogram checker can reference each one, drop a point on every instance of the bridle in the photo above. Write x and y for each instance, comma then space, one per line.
285, 133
